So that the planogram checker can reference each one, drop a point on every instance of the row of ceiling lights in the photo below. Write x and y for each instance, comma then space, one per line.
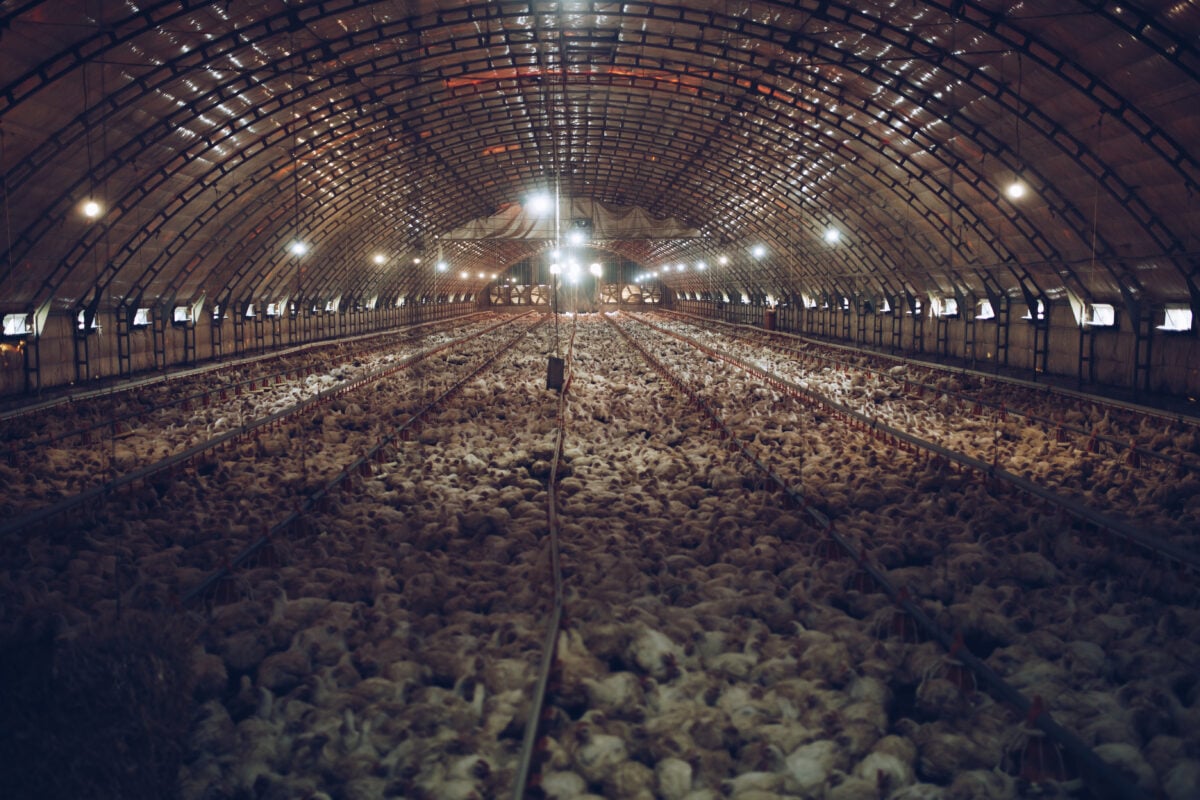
539, 204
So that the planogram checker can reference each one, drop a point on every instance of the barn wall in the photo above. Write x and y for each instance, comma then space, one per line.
48, 361
1107, 360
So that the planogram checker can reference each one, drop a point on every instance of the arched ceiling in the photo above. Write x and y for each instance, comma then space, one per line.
214, 134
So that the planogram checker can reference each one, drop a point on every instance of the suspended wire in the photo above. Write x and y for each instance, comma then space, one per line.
1095, 210
554, 136
8, 243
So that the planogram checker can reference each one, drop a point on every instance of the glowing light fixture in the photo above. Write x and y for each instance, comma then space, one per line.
832, 235
298, 248
701, 266
539, 204
723, 260
482, 276
463, 275
680, 267
576, 236
758, 251
442, 266
416, 259
555, 269
595, 268
91, 209
379, 258
1016, 190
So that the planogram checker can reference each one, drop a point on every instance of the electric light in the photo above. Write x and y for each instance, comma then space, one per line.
539, 204
91, 209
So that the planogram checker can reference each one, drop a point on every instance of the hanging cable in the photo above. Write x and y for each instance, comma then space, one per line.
1095, 212
8, 243
554, 137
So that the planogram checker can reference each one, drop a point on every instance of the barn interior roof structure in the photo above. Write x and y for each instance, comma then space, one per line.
823, 149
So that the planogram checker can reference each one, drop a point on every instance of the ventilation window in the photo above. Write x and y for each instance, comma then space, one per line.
217, 311
1041, 312
845, 304
182, 315
18, 324
1176, 318
80, 321
886, 308
330, 307
141, 318
272, 309
947, 307
249, 310
1100, 315
985, 310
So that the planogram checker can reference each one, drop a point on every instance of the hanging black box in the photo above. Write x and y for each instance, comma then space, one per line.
554, 374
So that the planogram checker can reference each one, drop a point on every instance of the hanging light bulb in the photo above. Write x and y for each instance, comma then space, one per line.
298, 248
91, 209
539, 204
832, 235
1016, 190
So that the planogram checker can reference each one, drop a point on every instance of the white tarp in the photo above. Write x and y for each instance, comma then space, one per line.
599, 220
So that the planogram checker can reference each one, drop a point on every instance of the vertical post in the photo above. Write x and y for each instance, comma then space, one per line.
33, 363
80, 332
1143, 340
189, 339
158, 331
239, 328
897, 324
124, 343
1003, 311
260, 334
942, 328
1087, 353
1041, 337
966, 311
216, 336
